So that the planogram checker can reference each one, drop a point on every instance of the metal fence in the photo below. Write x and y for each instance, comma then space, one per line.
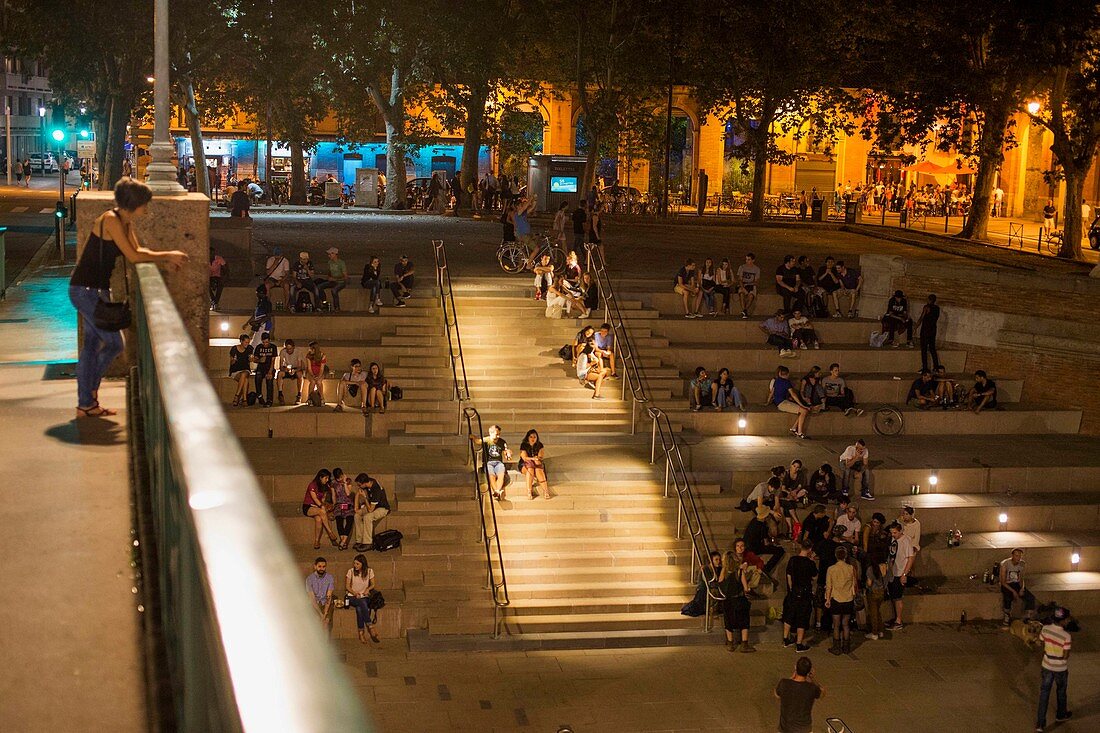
245, 651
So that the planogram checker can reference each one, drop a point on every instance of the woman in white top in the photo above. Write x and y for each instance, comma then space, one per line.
802, 331
358, 584
590, 370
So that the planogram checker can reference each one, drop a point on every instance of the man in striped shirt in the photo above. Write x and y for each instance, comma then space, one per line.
1056, 646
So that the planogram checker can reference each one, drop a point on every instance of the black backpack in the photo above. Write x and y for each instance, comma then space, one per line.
565, 353
303, 302
389, 539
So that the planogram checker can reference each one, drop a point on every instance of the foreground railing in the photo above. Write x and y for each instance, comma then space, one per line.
836, 725
676, 474
461, 388
245, 652
495, 578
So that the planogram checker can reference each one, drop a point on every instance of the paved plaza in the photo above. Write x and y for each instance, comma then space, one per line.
926, 678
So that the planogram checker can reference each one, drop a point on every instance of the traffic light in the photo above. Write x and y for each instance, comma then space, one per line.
57, 134
85, 134
59, 211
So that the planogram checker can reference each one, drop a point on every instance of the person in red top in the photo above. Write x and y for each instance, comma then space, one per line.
314, 506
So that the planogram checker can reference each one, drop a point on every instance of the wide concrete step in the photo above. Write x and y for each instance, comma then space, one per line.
340, 353
659, 295
423, 641
304, 421
574, 622
757, 356
947, 599
1010, 420
353, 298
721, 330
1045, 552
868, 388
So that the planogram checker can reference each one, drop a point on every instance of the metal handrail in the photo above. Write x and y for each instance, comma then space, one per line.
498, 588
687, 511
244, 648
461, 390
836, 725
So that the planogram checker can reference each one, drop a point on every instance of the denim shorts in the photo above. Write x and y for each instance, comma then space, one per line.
495, 468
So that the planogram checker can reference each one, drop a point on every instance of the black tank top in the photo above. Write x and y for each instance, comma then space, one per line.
97, 261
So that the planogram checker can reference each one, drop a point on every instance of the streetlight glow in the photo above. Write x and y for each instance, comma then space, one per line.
1033, 108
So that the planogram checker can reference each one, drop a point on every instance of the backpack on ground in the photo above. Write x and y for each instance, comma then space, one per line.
396, 393
878, 339
386, 540
565, 353
316, 399
303, 302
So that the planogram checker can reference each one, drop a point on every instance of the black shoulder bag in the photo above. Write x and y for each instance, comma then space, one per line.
111, 316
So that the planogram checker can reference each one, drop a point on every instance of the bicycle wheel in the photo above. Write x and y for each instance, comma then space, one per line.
512, 258
887, 421
557, 258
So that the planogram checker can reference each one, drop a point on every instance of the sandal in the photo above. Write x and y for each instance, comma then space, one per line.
93, 411
316, 545
373, 636
105, 411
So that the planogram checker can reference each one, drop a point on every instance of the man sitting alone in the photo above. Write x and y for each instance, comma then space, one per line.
699, 390
837, 392
983, 394
1012, 586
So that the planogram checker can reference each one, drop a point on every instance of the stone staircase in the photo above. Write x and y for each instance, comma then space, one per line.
1008, 461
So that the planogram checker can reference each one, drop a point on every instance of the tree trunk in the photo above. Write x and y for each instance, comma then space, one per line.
1072, 226
116, 142
396, 175
194, 126
759, 175
592, 161
298, 189
990, 157
471, 142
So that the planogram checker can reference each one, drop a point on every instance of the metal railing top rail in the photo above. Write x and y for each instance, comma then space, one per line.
675, 469
836, 725
273, 649
450, 322
489, 530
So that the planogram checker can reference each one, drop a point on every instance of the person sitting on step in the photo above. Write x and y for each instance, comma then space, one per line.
240, 367
778, 333
494, 451
292, 366
948, 390
785, 397
838, 393
700, 391
304, 280
1013, 588
378, 388
544, 276
315, 506
371, 506
851, 284
897, 318
812, 393
855, 470
342, 499
582, 338
605, 346
822, 484
724, 393
353, 388
358, 584
757, 539
923, 391
531, 465
803, 335
559, 298
572, 272
591, 292
316, 368
983, 395
589, 370
686, 285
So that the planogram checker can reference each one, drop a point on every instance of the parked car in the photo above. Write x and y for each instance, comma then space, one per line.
43, 162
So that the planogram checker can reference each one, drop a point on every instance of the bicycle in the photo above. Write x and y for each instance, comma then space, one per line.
1054, 240
518, 256
887, 420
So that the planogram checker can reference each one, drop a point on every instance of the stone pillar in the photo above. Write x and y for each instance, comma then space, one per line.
712, 152
175, 222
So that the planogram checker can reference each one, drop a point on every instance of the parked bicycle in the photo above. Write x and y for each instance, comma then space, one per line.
519, 256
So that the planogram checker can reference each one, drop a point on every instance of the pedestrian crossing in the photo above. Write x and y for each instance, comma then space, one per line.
11, 209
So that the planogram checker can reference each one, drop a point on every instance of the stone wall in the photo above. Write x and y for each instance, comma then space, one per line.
1016, 324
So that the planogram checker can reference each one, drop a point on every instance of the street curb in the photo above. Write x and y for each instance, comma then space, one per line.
36, 262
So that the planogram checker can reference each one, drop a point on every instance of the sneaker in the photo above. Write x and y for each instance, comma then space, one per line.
590, 386
596, 397
378, 302
371, 309
1063, 717
745, 315
1006, 622
399, 304
788, 641
838, 314
866, 496
871, 637
747, 648
696, 408
851, 314
802, 346
817, 346
689, 315
895, 626
803, 436
802, 648
895, 344
909, 345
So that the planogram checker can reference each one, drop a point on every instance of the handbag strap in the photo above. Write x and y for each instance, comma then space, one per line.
102, 244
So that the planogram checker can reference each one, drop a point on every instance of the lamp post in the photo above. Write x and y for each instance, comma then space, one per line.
161, 172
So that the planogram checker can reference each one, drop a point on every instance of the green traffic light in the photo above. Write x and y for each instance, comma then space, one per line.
58, 135
85, 134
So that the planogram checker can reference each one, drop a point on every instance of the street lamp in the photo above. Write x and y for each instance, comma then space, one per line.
1033, 108
161, 171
